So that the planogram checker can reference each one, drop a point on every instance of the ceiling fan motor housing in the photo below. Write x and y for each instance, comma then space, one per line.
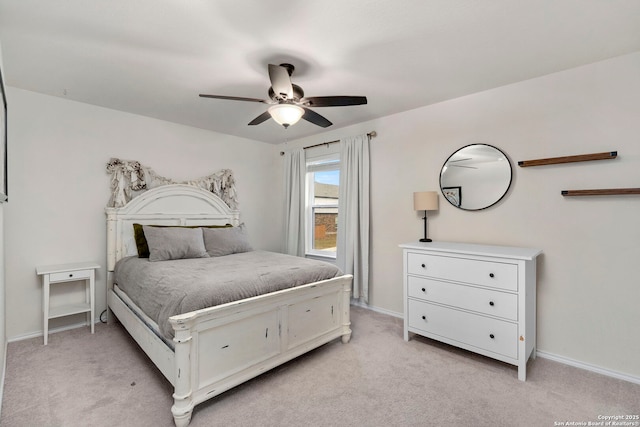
298, 94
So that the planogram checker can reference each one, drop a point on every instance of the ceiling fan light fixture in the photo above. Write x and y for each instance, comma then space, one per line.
286, 114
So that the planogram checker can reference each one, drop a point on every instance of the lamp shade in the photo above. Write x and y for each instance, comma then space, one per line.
286, 114
425, 201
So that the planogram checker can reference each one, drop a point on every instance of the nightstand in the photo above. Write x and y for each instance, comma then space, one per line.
61, 273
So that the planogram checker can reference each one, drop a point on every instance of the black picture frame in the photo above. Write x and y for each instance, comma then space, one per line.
453, 195
4, 191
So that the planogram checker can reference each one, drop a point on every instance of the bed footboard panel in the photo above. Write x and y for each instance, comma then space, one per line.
229, 348
312, 318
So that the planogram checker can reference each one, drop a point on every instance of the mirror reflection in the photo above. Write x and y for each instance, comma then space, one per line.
475, 177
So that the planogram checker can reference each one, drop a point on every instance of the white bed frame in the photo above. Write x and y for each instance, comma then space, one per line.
220, 347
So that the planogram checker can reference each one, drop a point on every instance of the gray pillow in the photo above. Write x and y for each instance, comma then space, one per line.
226, 241
174, 243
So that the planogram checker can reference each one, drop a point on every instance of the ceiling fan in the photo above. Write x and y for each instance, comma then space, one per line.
288, 104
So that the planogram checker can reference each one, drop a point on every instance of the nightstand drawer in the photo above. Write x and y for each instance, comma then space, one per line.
486, 301
70, 275
496, 336
484, 273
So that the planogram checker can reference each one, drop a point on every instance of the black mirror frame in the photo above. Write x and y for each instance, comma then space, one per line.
492, 204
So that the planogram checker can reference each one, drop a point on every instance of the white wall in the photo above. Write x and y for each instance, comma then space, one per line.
58, 150
3, 336
588, 286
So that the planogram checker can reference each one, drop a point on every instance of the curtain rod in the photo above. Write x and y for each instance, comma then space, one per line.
371, 134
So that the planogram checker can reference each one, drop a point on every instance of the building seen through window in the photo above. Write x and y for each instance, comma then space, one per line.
323, 184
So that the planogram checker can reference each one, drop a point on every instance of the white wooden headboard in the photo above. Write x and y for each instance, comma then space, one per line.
175, 204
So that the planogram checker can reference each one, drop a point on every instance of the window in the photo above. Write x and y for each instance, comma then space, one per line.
323, 183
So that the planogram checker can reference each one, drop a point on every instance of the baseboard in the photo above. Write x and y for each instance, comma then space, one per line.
362, 304
588, 367
4, 370
51, 331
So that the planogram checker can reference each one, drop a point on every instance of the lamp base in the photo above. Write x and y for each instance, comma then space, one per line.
426, 240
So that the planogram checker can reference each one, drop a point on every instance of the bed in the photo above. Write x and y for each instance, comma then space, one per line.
216, 348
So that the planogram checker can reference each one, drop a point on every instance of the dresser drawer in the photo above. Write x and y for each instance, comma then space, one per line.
485, 273
487, 301
489, 334
70, 275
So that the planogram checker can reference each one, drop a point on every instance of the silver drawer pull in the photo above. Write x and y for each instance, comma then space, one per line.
491, 303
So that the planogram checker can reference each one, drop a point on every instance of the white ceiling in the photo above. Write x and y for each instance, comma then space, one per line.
153, 57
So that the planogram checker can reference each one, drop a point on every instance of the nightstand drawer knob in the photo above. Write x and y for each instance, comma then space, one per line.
491, 303
492, 336
70, 275
424, 290
491, 275
423, 266
424, 317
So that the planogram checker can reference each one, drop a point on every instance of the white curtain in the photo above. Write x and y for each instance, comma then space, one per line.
294, 209
353, 213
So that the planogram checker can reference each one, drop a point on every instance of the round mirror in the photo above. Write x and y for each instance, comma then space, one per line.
475, 177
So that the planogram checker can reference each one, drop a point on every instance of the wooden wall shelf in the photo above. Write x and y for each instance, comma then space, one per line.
602, 192
569, 159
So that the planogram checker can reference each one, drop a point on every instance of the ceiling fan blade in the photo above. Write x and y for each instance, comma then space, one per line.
334, 101
261, 118
315, 118
233, 98
280, 81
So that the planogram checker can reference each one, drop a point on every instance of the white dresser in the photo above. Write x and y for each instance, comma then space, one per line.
477, 297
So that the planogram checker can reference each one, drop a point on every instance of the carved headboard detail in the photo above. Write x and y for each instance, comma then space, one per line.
129, 179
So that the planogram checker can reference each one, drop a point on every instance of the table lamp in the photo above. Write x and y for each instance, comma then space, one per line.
425, 201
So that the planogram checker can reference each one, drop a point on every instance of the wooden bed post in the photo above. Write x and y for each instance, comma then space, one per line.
346, 306
183, 393
112, 256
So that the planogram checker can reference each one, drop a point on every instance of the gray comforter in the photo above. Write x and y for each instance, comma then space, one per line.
166, 288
